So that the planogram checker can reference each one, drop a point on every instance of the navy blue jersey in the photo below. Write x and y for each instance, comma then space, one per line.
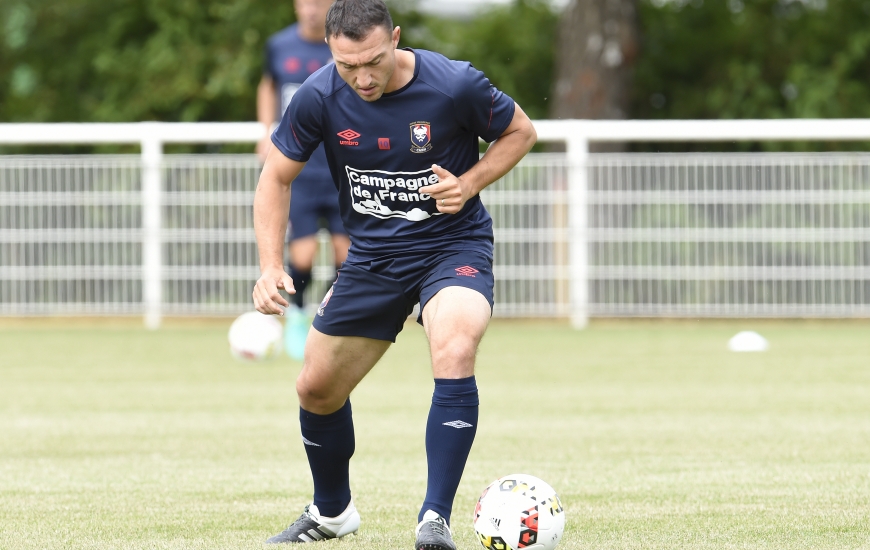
290, 60
381, 152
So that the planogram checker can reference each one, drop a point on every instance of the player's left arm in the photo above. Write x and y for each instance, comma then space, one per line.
452, 192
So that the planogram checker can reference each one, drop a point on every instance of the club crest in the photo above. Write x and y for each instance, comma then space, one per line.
421, 137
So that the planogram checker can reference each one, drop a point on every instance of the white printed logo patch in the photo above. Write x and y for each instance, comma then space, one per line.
458, 424
385, 194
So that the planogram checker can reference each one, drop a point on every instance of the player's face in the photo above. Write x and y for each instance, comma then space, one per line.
311, 16
368, 65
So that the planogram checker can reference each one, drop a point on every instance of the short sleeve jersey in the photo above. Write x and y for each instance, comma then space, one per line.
381, 152
290, 60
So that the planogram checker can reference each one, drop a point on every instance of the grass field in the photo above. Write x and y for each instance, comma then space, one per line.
655, 436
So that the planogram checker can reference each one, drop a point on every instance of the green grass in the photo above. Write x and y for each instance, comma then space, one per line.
655, 436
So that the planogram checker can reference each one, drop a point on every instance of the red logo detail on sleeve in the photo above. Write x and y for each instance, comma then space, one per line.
466, 271
383, 143
348, 137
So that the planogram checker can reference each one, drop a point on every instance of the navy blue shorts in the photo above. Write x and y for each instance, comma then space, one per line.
373, 299
311, 202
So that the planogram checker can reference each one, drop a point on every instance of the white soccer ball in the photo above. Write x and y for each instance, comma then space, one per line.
254, 336
519, 511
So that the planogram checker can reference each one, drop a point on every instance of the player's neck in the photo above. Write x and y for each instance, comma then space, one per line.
405, 62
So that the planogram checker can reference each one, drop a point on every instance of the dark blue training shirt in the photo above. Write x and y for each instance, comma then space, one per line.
381, 152
289, 61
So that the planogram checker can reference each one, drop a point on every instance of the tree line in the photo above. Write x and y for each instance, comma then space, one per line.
186, 60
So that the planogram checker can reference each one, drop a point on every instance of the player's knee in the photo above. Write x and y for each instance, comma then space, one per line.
454, 358
309, 394
316, 397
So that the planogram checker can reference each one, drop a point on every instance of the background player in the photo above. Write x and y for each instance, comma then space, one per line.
292, 55
401, 131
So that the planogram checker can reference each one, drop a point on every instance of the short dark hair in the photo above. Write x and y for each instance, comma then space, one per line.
356, 18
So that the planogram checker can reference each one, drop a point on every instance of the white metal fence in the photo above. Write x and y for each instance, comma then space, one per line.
576, 234
73, 238
773, 235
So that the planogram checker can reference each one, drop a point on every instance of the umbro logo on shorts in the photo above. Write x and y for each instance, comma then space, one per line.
466, 271
326, 298
458, 424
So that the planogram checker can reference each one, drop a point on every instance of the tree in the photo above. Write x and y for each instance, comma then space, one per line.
132, 60
514, 45
185, 60
705, 59
598, 47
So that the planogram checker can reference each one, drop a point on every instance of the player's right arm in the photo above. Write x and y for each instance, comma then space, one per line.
271, 209
294, 140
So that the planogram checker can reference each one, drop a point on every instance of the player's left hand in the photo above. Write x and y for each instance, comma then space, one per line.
449, 193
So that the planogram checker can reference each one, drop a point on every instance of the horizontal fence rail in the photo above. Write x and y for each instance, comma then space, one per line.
577, 234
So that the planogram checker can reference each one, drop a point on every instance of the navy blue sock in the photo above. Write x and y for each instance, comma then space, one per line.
329, 443
300, 283
450, 432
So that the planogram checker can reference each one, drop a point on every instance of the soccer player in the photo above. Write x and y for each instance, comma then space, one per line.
292, 55
401, 130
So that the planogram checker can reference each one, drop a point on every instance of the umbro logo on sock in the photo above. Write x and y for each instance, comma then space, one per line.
309, 442
458, 424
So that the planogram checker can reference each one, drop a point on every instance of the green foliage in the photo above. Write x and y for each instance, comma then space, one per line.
183, 60
761, 59
514, 45
131, 60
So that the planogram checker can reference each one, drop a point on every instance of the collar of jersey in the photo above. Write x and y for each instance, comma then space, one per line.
413, 78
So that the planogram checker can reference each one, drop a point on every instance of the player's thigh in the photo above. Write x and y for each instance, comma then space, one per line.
333, 367
455, 320
364, 303
302, 252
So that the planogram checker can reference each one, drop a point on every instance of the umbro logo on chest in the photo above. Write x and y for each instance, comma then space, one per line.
348, 137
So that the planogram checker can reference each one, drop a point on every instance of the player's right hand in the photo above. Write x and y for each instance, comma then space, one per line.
267, 296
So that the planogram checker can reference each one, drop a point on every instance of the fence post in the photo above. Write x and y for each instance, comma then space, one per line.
152, 190
577, 149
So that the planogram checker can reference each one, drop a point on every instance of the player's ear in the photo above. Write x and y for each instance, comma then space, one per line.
396, 33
